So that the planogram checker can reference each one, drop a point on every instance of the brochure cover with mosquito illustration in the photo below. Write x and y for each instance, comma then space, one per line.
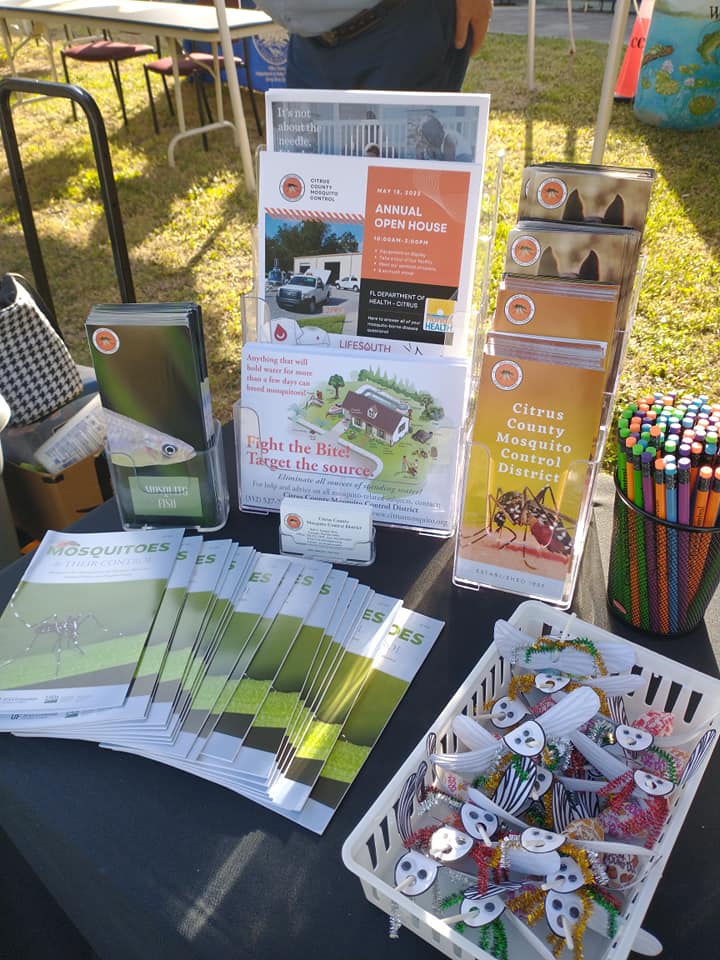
76, 626
527, 482
328, 425
359, 247
389, 124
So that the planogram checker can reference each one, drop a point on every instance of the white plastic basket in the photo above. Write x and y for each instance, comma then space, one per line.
375, 845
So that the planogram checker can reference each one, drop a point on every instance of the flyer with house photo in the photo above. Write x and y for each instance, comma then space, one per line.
358, 247
379, 123
330, 425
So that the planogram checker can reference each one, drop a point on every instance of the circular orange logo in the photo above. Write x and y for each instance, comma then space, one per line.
506, 375
525, 251
105, 340
552, 193
292, 187
293, 521
519, 309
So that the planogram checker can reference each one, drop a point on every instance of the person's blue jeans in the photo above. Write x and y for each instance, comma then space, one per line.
412, 48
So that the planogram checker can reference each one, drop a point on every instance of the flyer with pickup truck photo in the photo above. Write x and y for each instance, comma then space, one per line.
333, 425
360, 248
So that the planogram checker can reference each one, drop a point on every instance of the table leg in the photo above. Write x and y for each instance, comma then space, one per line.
218, 84
241, 135
173, 44
7, 43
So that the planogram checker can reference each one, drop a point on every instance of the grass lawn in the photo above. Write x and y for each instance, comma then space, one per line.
189, 228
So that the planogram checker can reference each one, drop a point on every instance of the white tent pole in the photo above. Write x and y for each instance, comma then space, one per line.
612, 68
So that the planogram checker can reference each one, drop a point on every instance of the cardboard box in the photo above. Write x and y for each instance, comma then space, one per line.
42, 501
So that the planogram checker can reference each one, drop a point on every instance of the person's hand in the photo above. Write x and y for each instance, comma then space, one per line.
475, 14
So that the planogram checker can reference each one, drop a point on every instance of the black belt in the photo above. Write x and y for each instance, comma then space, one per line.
358, 24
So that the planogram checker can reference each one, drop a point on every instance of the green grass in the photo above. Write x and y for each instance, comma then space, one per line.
189, 228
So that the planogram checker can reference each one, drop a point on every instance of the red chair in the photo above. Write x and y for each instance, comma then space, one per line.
198, 66
191, 65
107, 51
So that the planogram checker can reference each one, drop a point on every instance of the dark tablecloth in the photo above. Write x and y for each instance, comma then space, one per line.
152, 863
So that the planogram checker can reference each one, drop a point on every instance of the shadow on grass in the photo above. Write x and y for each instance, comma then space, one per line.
557, 122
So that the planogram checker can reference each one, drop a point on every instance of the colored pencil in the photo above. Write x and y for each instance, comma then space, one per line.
671, 511
712, 511
629, 475
683, 537
661, 549
702, 493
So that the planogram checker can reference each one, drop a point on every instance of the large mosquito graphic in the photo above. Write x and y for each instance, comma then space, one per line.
65, 630
545, 523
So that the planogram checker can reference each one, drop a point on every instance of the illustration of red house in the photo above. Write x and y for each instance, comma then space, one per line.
368, 412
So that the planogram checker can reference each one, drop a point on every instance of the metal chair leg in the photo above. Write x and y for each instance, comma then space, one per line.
115, 72
63, 58
199, 97
151, 101
167, 95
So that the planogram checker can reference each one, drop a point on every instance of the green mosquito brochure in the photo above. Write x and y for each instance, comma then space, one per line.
293, 788
355, 599
89, 724
264, 736
403, 652
77, 624
209, 567
256, 594
269, 675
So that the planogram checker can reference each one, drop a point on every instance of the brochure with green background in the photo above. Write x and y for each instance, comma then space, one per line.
403, 652
293, 788
225, 746
264, 736
261, 671
251, 678
89, 724
354, 600
248, 607
253, 613
150, 364
209, 566
218, 743
77, 624
230, 586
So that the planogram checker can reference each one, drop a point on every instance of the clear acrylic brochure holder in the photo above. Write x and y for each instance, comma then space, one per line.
191, 494
536, 525
261, 325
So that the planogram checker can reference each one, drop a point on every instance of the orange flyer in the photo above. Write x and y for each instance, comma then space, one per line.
534, 438
415, 225
550, 307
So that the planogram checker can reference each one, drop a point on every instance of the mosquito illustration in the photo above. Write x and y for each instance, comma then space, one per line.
548, 527
64, 629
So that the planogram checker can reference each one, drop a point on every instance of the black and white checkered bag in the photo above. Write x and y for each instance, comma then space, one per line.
37, 373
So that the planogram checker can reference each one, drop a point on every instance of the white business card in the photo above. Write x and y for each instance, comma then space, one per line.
327, 530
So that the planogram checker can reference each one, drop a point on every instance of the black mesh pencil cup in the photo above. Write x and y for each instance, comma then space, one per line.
662, 575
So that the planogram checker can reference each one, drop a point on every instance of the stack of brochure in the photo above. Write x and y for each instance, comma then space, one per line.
355, 374
548, 376
151, 369
271, 676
